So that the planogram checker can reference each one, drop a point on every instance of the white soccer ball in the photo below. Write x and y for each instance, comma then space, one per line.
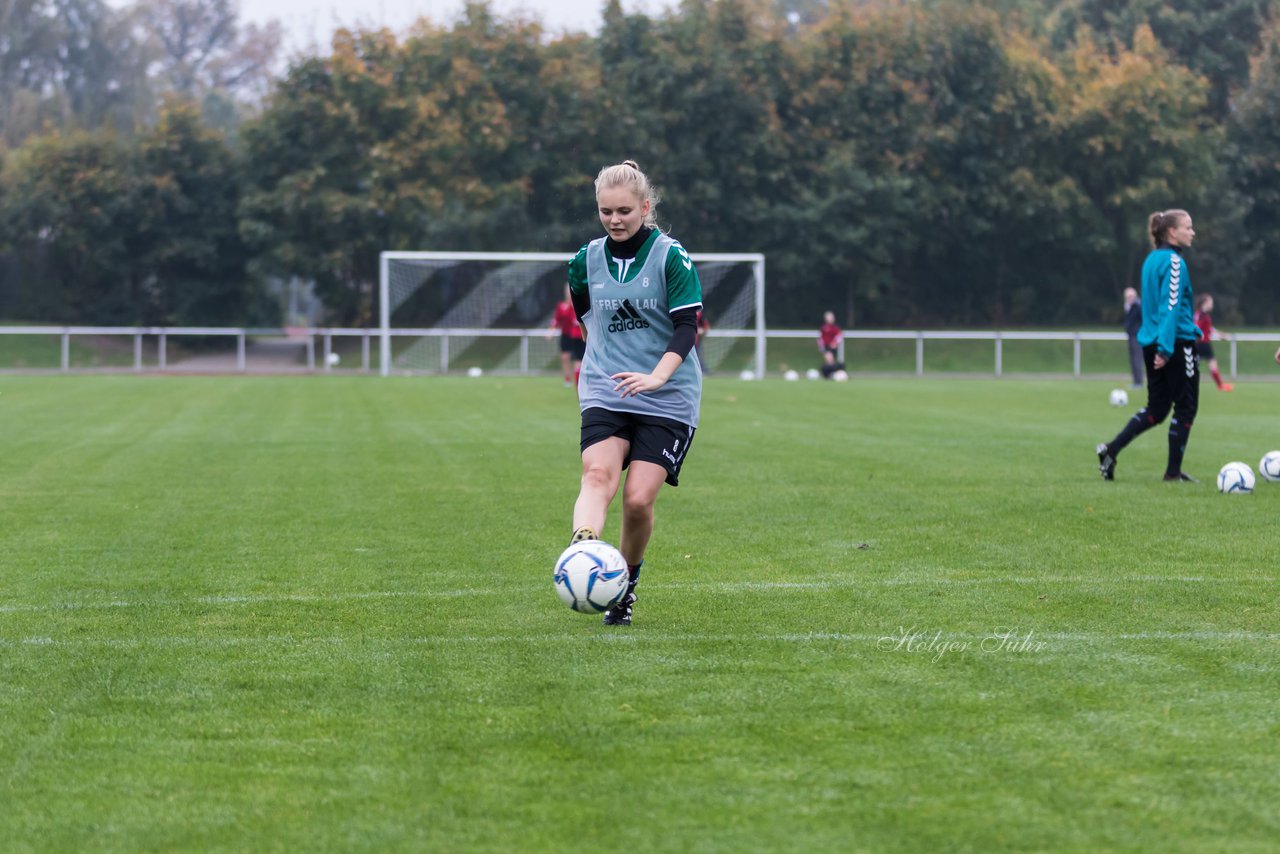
791, 376
840, 376
333, 358
813, 374
1119, 397
747, 375
475, 372
1235, 477
590, 576
1269, 466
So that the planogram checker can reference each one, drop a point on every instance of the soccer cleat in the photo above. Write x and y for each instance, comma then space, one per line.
620, 614
1180, 477
583, 533
1106, 462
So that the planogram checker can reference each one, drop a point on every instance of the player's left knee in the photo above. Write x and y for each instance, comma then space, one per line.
637, 508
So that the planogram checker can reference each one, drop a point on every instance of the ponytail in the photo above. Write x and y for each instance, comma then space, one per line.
1159, 223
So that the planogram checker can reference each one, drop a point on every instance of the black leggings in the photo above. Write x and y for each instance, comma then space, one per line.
1175, 386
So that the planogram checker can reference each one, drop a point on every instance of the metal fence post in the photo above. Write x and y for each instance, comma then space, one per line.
919, 354
999, 355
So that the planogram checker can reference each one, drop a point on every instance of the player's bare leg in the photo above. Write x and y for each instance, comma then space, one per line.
644, 480
601, 473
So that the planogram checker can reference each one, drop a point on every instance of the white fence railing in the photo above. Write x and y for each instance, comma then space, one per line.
314, 347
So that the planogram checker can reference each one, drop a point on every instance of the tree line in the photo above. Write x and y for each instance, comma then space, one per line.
929, 163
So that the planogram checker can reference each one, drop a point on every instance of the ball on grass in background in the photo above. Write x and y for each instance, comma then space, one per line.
1235, 478
590, 576
747, 375
840, 376
813, 374
791, 376
1269, 466
1119, 397
333, 359
475, 371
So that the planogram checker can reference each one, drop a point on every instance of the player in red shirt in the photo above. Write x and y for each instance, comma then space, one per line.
572, 346
829, 337
1204, 347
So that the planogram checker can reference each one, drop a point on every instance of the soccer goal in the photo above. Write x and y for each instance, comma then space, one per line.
462, 311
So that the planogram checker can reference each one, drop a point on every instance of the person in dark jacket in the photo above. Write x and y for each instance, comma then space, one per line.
1132, 323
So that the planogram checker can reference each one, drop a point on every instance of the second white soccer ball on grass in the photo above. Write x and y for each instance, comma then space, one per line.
590, 576
1269, 466
1119, 397
1235, 478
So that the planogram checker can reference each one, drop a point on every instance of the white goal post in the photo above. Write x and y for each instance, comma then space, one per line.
458, 311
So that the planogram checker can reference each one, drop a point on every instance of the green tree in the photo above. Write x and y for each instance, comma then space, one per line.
1140, 141
1254, 133
191, 257
68, 64
925, 172
202, 49
453, 139
71, 212
1213, 38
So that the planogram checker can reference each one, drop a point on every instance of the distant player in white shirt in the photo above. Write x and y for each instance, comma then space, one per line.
638, 296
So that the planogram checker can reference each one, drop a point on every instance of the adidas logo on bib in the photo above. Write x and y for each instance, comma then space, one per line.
626, 318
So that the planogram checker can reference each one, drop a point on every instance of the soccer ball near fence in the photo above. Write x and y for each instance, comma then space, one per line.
590, 576
1119, 397
1269, 466
1235, 478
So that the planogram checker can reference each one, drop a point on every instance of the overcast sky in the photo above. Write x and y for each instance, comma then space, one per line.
312, 22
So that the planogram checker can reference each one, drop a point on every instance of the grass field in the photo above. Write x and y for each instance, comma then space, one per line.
316, 613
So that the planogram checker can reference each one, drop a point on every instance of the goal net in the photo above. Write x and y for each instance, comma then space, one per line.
444, 312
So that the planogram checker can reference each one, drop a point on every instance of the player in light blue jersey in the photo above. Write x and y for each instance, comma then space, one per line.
637, 294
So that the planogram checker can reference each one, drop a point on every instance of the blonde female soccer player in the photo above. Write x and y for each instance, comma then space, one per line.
637, 294
1168, 338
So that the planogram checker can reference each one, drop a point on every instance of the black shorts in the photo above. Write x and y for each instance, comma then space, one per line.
1204, 350
575, 347
661, 441
1175, 386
